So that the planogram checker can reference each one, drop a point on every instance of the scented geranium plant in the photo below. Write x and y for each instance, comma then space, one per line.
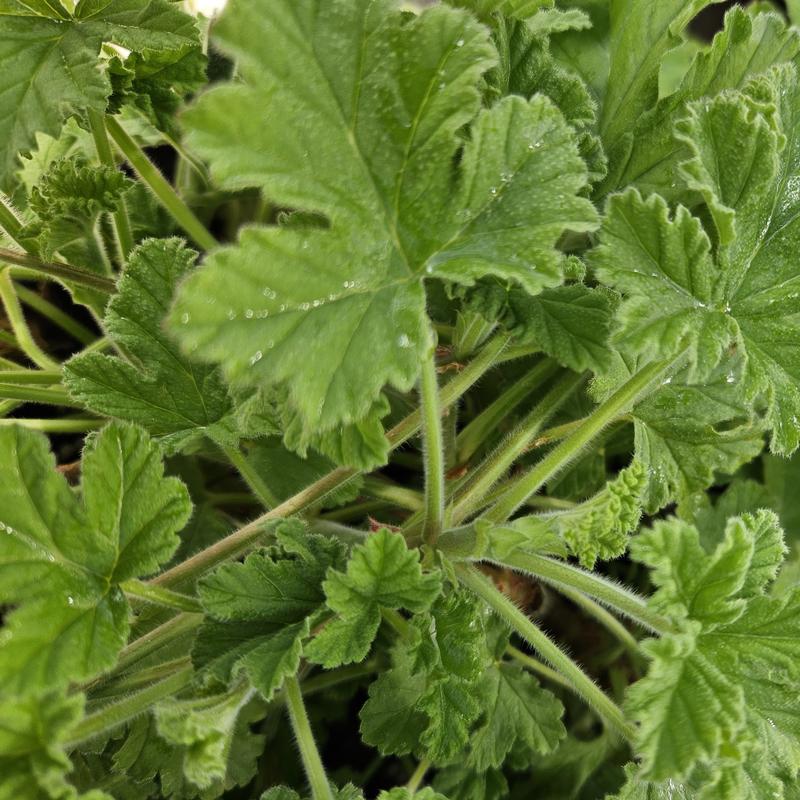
422, 387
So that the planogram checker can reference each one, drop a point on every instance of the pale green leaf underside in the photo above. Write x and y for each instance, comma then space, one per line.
369, 143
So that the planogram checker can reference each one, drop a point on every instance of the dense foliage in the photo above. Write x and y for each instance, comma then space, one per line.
422, 389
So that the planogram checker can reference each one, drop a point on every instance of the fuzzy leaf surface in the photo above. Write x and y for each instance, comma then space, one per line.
62, 558
385, 127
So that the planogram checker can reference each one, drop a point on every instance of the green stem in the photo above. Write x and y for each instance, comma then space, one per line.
19, 326
122, 223
605, 618
452, 390
534, 665
58, 270
9, 340
116, 714
561, 575
579, 681
330, 678
55, 315
251, 477
129, 683
241, 540
159, 186
28, 376
75, 425
571, 447
36, 394
315, 772
498, 463
419, 773
171, 630
160, 596
399, 496
433, 449
8, 221
474, 435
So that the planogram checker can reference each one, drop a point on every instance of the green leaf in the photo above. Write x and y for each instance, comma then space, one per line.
428, 702
570, 323
52, 53
527, 67
32, 759
748, 45
664, 267
519, 715
61, 558
156, 386
68, 199
742, 297
289, 297
639, 37
204, 728
391, 719
714, 689
381, 573
261, 610
686, 435
597, 528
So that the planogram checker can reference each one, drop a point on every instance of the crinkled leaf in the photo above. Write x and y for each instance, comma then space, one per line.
204, 729
597, 528
33, 763
156, 386
52, 53
261, 610
639, 36
747, 46
62, 558
67, 201
743, 148
518, 713
381, 573
723, 679
296, 295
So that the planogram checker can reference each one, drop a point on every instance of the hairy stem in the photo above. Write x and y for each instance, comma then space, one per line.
28, 376
433, 448
159, 186
315, 771
50, 395
605, 618
68, 425
122, 223
116, 714
513, 447
251, 477
471, 438
571, 447
579, 681
160, 596
536, 666
241, 540
563, 576
417, 776
58, 270
164, 634
19, 326
55, 315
